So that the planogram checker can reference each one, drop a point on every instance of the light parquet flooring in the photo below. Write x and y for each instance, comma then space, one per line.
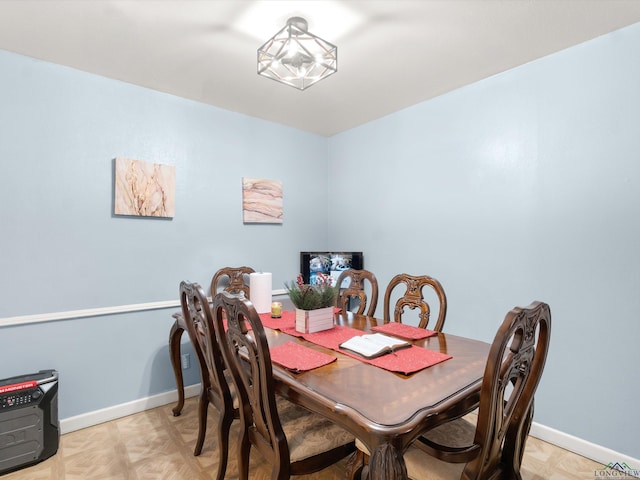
155, 445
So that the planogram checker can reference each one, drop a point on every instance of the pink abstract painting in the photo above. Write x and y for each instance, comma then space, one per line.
144, 189
261, 201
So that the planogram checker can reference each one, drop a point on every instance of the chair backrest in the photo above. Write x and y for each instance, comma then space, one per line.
413, 298
237, 280
356, 290
199, 321
249, 360
514, 367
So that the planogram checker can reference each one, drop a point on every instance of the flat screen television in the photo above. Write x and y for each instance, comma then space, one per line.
328, 263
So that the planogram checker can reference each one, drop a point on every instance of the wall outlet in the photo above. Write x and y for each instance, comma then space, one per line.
186, 361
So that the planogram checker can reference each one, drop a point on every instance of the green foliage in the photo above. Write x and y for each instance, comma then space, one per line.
311, 297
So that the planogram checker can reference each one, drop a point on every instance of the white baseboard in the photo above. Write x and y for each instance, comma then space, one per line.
576, 445
97, 417
581, 447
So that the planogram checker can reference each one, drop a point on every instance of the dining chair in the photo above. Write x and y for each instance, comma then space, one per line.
413, 298
230, 279
355, 294
215, 386
493, 447
294, 440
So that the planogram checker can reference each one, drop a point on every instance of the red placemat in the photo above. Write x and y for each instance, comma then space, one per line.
333, 337
406, 360
286, 321
298, 358
402, 330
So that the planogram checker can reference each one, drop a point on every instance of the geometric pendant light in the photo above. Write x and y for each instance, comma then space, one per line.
295, 57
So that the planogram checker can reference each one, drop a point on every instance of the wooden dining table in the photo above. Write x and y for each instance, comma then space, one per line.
386, 411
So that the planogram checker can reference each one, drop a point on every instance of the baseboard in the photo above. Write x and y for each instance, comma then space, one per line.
576, 445
582, 447
97, 417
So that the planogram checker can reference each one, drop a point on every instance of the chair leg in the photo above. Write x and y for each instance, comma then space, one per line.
355, 465
276, 474
224, 425
174, 354
244, 449
512, 455
281, 469
203, 410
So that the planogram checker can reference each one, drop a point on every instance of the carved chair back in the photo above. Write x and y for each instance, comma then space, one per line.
356, 291
237, 280
249, 360
215, 389
315, 441
413, 298
494, 447
514, 368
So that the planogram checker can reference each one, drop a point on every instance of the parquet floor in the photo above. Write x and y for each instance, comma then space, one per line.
155, 445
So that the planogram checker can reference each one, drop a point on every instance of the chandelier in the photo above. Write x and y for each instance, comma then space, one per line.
295, 57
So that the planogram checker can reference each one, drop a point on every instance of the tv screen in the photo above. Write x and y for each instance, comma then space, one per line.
328, 263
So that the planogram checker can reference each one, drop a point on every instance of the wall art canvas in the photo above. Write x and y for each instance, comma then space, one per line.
144, 189
261, 201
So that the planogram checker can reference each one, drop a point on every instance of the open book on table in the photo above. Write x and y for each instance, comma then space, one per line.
374, 345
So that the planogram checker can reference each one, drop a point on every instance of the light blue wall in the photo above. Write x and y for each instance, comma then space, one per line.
62, 249
521, 187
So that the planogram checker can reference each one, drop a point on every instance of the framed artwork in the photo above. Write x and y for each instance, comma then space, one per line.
144, 189
261, 201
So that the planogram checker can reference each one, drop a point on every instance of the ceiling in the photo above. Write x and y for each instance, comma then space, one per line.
391, 54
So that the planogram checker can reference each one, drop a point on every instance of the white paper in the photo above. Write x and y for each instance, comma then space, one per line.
260, 291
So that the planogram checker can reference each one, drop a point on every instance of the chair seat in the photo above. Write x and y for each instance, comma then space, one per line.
308, 433
456, 433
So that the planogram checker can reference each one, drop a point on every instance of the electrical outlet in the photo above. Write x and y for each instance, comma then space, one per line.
186, 361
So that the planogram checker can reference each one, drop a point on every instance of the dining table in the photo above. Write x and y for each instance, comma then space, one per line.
385, 410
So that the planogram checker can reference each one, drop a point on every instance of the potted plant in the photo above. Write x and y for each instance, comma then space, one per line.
314, 303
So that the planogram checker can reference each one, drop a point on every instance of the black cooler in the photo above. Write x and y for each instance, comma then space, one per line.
29, 431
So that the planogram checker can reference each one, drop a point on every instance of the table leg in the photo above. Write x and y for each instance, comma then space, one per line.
174, 353
387, 463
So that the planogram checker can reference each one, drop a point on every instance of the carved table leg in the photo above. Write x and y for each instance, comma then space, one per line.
386, 463
174, 353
